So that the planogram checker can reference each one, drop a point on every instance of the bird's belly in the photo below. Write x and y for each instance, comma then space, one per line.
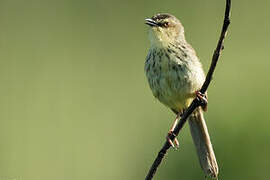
172, 88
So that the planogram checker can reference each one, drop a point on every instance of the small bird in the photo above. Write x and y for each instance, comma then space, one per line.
175, 76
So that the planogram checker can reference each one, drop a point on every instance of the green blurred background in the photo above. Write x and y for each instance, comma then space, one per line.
75, 103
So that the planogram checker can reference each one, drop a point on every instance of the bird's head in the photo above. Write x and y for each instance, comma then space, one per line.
165, 29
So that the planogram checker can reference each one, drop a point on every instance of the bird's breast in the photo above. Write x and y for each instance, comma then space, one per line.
171, 78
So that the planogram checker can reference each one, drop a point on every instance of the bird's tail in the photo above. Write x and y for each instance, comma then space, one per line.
203, 144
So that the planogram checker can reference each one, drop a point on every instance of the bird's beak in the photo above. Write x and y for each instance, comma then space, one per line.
151, 22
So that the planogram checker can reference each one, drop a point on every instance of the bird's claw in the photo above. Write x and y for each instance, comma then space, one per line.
176, 145
202, 98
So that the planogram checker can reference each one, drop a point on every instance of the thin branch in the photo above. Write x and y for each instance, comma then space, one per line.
195, 103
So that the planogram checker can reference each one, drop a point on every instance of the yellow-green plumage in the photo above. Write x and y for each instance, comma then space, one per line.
174, 75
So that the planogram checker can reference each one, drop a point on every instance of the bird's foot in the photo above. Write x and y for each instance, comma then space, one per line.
175, 145
202, 98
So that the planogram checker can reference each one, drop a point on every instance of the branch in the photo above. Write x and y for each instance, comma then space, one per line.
195, 103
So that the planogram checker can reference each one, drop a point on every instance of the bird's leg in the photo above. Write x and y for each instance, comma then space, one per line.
171, 132
202, 99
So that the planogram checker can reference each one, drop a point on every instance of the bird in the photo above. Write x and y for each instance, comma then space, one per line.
175, 76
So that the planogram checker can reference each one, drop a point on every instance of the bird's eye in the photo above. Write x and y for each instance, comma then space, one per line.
166, 24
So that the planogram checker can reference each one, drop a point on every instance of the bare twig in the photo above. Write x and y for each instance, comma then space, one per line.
195, 103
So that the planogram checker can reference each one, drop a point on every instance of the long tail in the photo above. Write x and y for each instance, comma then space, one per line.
203, 144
